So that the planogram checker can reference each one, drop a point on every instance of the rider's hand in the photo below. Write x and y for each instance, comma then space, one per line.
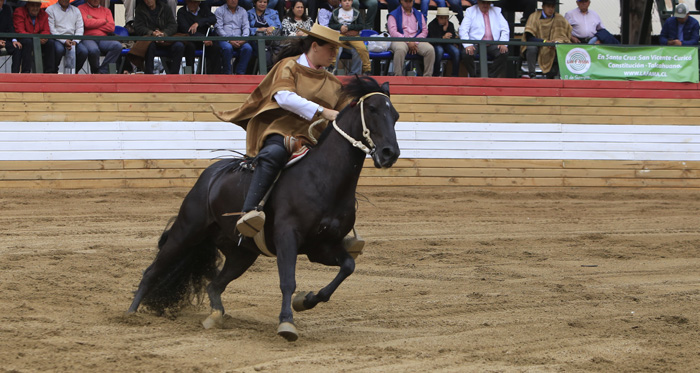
329, 114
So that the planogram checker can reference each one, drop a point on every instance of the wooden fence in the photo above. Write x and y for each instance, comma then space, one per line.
81, 131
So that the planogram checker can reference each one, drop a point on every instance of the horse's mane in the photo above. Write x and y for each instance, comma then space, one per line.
359, 86
354, 88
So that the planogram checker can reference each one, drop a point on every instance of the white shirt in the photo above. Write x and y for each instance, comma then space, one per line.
473, 28
584, 25
65, 22
298, 105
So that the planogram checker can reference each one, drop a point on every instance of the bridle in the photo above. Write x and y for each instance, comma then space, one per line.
365, 131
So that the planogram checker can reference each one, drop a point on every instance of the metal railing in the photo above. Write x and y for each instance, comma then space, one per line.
483, 58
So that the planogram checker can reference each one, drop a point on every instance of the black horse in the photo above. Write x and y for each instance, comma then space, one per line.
310, 210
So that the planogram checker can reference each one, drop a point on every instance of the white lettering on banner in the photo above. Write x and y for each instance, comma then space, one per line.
626, 65
661, 74
656, 65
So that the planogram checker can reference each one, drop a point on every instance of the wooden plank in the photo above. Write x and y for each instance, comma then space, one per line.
97, 117
529, 182
142, 97
487, 118
629, 111
101, 174
114, 164
21, 96
168, 163
98, 183
477, 109
504, 173
441, 99
57, 107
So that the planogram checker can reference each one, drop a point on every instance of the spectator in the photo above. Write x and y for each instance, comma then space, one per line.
295, 19
316, 8
250, 4
65, 19
265, 21
348, 21
442, 28
232, 21
455, 5
131, 5
153, 18
485, 22
545, 26
406, 22
372, 7
12, 46
511, 6
98, 21
195, 19
31, 19
681, 29
587, 27
326, 11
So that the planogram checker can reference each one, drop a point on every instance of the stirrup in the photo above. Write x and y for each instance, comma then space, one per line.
353, 244
251, 223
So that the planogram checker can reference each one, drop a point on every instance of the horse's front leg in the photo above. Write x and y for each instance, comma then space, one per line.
286, 245
307, 300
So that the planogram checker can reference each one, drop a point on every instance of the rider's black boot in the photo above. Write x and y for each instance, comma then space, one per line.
270, 161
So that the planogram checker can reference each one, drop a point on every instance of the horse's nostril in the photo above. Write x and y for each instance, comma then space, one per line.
388, 153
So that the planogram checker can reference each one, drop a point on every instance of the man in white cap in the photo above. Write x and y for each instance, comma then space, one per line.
681, 29
485, 22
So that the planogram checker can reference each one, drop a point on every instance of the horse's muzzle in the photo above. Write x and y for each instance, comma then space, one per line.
385, 157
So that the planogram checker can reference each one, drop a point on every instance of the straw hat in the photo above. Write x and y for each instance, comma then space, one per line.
36, 1
444, 11
326, 34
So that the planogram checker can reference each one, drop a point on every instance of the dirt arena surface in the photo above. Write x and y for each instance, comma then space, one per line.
453, 279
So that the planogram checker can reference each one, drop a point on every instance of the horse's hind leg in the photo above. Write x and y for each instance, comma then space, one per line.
307, 300
238, 260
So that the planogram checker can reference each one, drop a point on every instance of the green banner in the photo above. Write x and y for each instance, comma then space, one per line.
600, 62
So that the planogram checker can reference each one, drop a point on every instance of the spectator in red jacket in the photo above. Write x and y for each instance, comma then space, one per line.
98, 21
31, 19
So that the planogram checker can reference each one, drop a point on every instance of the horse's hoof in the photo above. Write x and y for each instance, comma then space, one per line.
288, 331
298, 301
215, 320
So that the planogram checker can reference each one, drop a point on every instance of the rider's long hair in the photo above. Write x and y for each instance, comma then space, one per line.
297, 46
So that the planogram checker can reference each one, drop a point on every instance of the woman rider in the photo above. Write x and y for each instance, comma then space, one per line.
296, 92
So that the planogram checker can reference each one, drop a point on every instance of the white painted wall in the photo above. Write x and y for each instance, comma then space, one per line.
208, 140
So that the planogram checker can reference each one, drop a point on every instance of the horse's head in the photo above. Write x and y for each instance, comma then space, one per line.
378, 117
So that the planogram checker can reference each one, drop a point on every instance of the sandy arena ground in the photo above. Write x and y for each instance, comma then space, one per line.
453, 280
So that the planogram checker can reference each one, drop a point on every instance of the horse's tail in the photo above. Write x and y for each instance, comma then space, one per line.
184, 282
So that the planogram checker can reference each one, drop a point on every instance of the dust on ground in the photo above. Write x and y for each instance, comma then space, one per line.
452, 279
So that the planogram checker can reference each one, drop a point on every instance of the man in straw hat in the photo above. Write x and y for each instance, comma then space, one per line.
485, 22
297, 91
546, 26
409, 23
442, 28
587, 27
31, 19
681, 29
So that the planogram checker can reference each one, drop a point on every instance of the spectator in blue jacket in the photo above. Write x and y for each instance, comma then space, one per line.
264, 22
681, 29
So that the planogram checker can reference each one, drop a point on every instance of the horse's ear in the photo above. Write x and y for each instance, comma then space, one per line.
385, 87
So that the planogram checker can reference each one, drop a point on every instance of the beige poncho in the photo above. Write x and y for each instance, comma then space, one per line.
261, 116
555, 29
